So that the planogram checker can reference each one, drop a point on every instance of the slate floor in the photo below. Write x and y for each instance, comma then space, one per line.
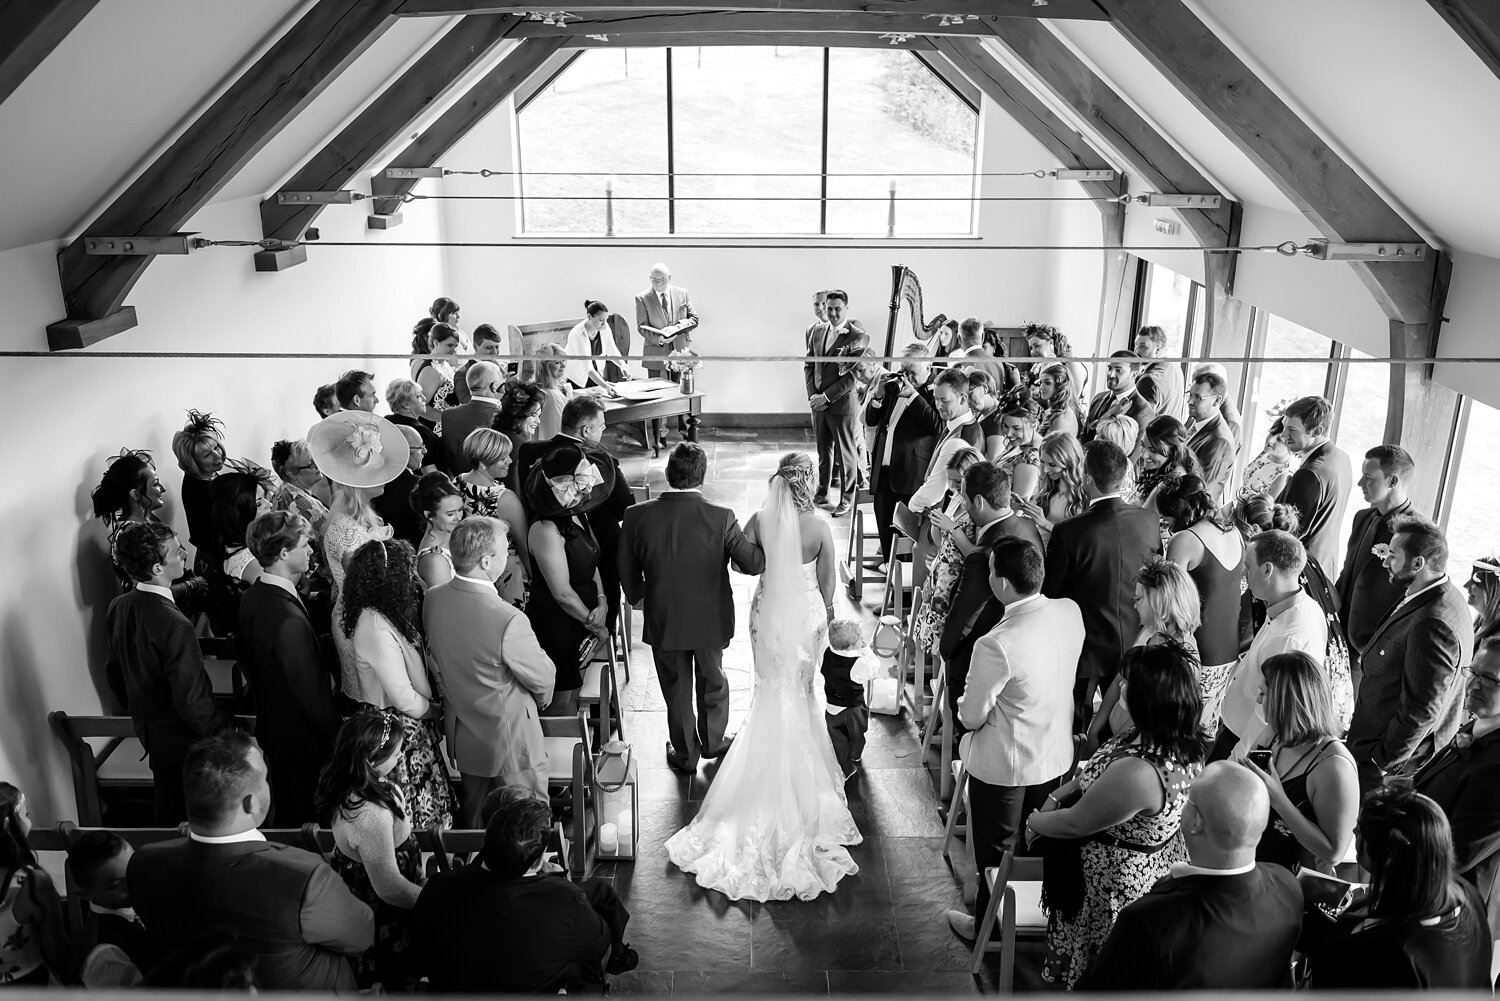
884, 930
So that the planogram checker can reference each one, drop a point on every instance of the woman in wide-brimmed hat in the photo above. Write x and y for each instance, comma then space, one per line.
359, 453
567, 607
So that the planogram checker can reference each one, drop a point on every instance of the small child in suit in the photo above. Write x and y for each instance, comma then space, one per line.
116, 950
847, 665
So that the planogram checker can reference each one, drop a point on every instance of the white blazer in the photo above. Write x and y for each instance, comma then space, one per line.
389, 670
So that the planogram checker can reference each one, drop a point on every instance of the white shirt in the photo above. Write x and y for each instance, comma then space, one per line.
1291, 625
165, 592
1181, 869
276, 580
897, 409
1105, 497
1018, 603
1441, 581
683, 490
226, 839
482, 582
936, 484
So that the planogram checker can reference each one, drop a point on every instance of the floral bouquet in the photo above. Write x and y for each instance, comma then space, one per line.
683, 363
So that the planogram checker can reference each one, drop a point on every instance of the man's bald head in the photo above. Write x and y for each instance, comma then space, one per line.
1231, 807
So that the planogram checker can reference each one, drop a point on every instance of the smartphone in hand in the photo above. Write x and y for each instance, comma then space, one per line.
1262, 759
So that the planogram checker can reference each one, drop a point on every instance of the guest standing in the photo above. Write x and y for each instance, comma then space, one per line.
906, 423
1123, 431
1062, 494
550, 366
301, 484
482, 411
435, 375
199, 448
1119, 396
408, 409
31, 913
1057, 394
1212, 443
130, 491
520, 420
380, 609
1366, 591
440, 505
1021, 456
830, 394
1319, 489
1160, 382
1163, 454
486, 495
1270, 470
289, 670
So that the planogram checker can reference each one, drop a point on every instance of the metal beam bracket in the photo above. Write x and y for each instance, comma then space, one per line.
408, 173
1323, 250
142, 246
1162, 200
1085, 175
319, 197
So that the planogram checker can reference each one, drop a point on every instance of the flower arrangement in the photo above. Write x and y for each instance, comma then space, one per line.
683, 360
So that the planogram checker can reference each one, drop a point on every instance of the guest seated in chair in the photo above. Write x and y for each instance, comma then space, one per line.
36, 945
115, 949
510, 924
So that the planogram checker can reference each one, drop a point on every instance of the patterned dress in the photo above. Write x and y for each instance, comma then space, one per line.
928, 629
485, 501
388, 960
1115, 876
1261, 472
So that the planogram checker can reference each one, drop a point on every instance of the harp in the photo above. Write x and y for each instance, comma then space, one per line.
907, 291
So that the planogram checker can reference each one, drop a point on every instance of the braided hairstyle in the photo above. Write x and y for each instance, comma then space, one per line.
798, 470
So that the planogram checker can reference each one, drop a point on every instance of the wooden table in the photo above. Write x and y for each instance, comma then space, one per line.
686, 405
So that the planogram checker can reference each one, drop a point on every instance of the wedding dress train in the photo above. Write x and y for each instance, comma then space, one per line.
775, 821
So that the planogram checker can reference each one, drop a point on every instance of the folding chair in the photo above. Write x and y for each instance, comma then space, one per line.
570, 769
601, 692
1015, 896
906, 527
859, 558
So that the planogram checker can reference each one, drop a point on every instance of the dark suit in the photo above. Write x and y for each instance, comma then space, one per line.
1003, 373
436, 457
912, 439
1213, 444
833, 425
1465, 782
456, 424
1200, 932
295, 722
287, 907
1365, 591
1103, 405
974, 610
1411, 696
477, 932
1319, 490
166, 688
604, 520
673, 554
1093, 558
394, 505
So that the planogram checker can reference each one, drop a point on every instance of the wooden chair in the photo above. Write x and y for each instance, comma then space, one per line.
449, 849
601, 692
104, 753
858, 562
221, 663
907, 526
958, 825
1015, 898
570, 770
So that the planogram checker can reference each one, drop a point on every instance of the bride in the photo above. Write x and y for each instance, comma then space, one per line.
775, 821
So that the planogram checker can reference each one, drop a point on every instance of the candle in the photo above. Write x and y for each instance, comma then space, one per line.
626, 827
609, 838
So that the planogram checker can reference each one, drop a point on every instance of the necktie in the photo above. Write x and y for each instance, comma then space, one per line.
664, 310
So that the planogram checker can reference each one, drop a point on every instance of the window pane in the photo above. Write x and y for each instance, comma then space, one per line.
1472, 533
1277, 381
1167, 306
606, 114
887, 116
751, 109
1367, 390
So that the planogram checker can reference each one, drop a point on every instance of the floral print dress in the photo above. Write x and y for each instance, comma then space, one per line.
946, 566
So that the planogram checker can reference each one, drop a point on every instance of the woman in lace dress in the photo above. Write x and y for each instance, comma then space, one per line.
435, 375
1112, 832
775, 821
359, 453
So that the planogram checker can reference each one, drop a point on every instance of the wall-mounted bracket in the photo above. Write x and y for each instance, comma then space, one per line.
141, 246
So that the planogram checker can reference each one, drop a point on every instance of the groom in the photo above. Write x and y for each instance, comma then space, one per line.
673, 555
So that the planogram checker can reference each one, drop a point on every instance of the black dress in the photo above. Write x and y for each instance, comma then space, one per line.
1278, 844
1452, 953
559, 633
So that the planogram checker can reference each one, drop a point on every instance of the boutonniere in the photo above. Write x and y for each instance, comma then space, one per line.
1463, 740
1381, 551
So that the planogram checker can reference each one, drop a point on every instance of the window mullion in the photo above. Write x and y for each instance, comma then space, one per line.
671, 155
823, 161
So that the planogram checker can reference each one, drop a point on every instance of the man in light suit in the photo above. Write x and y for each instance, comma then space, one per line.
1212, 442
674, 551
289, 910
831, 395
483, 409
1365, 590
493, 673
289, 670
665, 317
1410, 698
1320, 487
1093, 559
1018, 700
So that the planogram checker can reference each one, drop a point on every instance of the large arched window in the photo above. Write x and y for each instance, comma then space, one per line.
748, 140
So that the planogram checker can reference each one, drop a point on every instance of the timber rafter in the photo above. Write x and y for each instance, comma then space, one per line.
29, 31
1073, 9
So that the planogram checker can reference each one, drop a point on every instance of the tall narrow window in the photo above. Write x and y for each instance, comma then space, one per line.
1471, 515
1272, 381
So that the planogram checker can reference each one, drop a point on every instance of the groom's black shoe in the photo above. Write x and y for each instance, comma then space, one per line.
676, 763
723, 748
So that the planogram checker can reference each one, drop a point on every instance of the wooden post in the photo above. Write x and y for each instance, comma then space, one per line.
1117, 284
1421, 411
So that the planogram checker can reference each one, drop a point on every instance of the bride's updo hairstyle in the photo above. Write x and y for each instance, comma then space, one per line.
798, 470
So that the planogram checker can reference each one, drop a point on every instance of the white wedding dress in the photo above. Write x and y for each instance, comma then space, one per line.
775, 821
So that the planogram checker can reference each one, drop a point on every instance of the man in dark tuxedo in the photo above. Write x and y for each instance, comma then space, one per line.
1220, 921
972, 354
1093, 559
486, 345
1212, 442
289, 910
1120, 395
289, 670
1366, 592
907, 425
1410, 697
583, 420
974, 609
665, 317
1319, 489
482, 411
673, 555
510, 922
1464, 776
830, 393
167, 690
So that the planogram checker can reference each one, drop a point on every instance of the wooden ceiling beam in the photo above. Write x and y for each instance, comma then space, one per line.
1146, 152
661, 21
388, 116
1478, 24
1338, 202
695, 39
1054, 9
29, 31
171, 190
468, 111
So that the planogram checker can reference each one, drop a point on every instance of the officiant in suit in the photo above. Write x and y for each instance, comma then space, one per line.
674, 555
289, 671
830, 393
665, 317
